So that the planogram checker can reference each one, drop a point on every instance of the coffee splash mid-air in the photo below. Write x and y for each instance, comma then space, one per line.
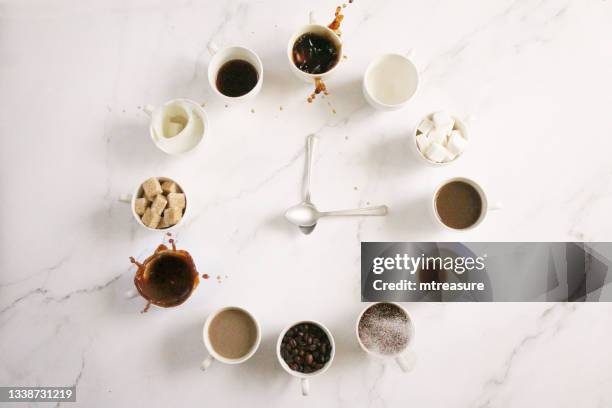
317, 54
167, 278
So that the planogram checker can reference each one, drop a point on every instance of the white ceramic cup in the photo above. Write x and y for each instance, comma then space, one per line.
322, 30
131, 199
406, 359
191, 135
212, 354
222, 55
390, 81
305, 377
460, 124
486, 206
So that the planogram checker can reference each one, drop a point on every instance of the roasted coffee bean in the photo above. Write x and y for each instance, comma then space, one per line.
305, 348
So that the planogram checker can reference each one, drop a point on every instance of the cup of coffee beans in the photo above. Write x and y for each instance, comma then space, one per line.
305, 349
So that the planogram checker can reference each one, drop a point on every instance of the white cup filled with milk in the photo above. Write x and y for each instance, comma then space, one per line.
177, 126
390, 81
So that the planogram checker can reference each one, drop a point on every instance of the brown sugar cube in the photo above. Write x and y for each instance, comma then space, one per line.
150, 219
176, 200
151, 188
140, 205
169, 187
172, 215
159, 204
163, 224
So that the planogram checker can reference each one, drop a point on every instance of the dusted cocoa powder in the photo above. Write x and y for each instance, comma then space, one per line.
384, 328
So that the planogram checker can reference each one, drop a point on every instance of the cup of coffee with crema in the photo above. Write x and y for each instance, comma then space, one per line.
231, 336
461, 204
385, 330
234, 73
305, 349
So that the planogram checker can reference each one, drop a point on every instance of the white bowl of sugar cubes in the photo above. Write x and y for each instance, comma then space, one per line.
159, 203
440, 138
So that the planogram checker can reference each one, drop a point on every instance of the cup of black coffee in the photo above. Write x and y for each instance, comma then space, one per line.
304, 350
461, 204
314, 51
235, 73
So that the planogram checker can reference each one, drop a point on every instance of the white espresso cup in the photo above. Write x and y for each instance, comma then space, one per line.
405, 359
222, 55
319, 29
485, 207
212, 354
138, 192
189, 137
390, 81
305, 377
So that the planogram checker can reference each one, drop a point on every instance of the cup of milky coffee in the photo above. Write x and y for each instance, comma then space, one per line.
385, 330
314, 51
461, 204
231, 335
305, 349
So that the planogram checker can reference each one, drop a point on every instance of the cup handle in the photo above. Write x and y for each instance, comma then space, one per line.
206, 362
149, 109
470, 119
212, 48
406, 361
125, 198
311, 17
305, 387
498, 205
131, 294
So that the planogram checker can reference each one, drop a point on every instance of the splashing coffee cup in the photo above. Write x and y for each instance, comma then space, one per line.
314, 51
385, 330
165, 279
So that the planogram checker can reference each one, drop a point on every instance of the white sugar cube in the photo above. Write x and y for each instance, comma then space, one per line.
450, 156
438, 136
443, 121
422, 141
425, 126
436, 152
456, 143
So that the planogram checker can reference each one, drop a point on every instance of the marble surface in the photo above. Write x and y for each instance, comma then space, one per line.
74, 78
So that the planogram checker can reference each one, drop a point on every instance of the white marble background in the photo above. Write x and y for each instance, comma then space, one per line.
74, 76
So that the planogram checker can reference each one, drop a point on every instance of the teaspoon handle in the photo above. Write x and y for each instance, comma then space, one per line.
377, 210
311, 142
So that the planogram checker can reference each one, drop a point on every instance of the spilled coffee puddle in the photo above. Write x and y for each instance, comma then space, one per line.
167, 278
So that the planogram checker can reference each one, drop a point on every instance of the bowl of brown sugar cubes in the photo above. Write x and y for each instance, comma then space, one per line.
159, 203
